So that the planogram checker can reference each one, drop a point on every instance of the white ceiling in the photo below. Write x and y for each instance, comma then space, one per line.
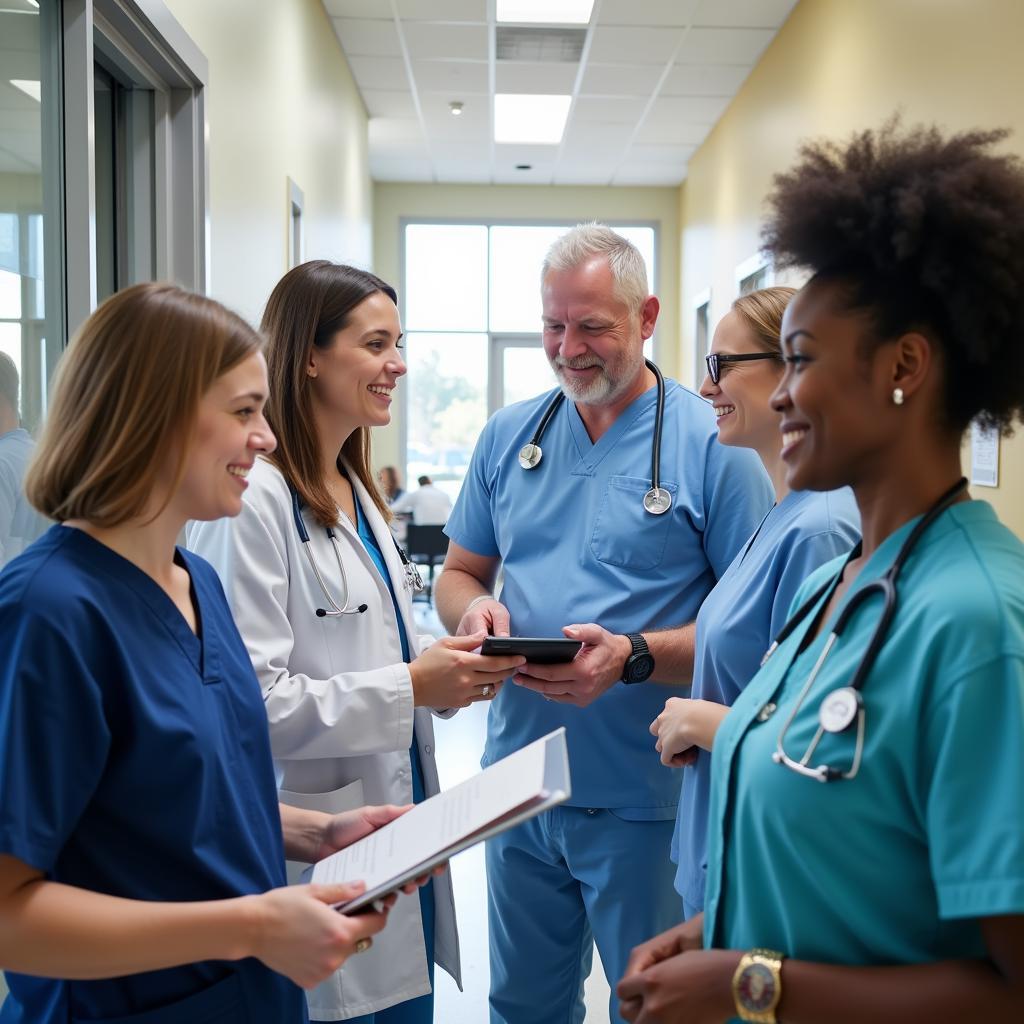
653, 78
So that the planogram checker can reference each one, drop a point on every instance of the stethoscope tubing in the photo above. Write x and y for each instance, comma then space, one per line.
656, 500
851, 692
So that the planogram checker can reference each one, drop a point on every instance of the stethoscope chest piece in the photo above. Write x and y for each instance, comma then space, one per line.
657, 501
839, 709
530, 455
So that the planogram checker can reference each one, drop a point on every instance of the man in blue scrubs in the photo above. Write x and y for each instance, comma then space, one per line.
577, 547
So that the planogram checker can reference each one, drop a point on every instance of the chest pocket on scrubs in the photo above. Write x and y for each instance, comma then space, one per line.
625, 533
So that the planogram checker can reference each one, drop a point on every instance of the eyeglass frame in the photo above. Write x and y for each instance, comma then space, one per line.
713, 360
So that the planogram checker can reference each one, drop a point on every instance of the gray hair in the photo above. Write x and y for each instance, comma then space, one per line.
584, 242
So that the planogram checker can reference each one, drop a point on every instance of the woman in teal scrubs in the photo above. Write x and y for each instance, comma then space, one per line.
750, 603
893, 891
139, 825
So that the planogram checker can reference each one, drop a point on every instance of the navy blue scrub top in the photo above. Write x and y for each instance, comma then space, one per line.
135, 761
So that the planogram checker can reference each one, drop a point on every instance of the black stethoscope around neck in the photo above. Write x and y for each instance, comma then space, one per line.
841, 707
413, 579
657, 500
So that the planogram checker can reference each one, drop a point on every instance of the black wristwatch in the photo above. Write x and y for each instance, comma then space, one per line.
640, 664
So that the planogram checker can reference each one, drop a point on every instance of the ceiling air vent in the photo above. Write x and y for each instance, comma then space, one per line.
557, 45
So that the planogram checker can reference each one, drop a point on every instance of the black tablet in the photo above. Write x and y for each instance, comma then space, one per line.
541, 650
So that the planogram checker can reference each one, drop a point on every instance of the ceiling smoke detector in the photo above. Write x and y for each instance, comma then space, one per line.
456, 108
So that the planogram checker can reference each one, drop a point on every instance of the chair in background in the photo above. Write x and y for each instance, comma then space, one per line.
426, 545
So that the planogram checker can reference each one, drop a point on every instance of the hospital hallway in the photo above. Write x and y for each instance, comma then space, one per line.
459, 744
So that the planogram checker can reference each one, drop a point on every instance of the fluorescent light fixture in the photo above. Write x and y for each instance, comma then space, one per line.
545, 12
28, 87
534, 119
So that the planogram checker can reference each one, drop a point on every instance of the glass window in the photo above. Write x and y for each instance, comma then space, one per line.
525, 372
517, 254
31, 302
447, 405
446, 277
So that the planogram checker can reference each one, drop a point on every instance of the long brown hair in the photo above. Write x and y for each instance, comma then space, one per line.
125, 397
309, 305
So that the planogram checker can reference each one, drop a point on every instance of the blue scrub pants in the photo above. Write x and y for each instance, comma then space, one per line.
421, 1009
556, 884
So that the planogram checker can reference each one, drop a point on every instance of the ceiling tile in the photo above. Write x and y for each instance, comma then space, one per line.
689, 109
456, 77
633, 45
514, 153
705, 80
442, 10
473, 123
609, 108
619, 80
671, 133
357, 9
676, 155
649, 174
743, 13
648, 12
595, 137
368, 38
388, 103
386, 73
724, 45
394, 134
522, 77
585, 173
463, 172
400, 168
447, 42
534, 176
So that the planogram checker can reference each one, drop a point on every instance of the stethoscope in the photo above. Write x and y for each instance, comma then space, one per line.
413, 579
657, 500
843, 705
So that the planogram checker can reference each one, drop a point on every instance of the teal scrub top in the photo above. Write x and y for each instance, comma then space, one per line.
735, 625
898, 864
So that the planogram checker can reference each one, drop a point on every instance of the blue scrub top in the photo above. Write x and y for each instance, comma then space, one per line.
135, 761
736, 624
577, 546
896, 865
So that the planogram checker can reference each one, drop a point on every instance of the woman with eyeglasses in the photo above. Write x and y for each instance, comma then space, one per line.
866, 833
750, 603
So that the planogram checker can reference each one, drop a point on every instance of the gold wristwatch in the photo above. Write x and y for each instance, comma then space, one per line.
757, 986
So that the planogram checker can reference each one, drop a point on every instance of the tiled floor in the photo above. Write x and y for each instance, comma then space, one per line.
460, 742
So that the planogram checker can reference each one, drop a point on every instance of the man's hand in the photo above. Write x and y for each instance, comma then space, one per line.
596, 668
341, 830
489, 617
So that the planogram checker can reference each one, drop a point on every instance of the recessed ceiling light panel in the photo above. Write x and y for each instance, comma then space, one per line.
545, 12
533, 118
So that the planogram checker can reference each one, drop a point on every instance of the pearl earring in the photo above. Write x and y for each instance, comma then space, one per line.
897, 396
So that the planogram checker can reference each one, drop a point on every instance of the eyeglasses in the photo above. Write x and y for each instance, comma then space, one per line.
716, 360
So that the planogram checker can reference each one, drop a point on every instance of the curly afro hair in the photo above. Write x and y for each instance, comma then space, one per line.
926, 233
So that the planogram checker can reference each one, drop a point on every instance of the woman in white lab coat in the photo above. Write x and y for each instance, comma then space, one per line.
323, 598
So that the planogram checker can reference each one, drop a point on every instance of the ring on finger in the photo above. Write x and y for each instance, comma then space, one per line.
486, 690
363, 945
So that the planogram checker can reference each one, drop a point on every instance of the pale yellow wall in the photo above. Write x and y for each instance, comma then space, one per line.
281, 103
392, 202
837, 66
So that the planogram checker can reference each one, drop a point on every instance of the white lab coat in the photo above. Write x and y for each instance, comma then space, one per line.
339, 701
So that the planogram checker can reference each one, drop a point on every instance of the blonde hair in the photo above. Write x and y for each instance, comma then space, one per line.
762, 311
307, 307
584, 242
125, 397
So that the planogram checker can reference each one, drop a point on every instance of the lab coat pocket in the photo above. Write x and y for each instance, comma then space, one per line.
625, 533
223, 1002
348, 798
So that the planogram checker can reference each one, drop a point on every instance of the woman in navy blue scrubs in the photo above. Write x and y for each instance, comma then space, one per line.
139, 826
